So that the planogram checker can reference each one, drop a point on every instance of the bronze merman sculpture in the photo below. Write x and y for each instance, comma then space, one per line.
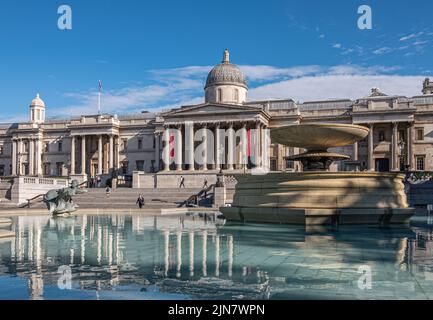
60, 201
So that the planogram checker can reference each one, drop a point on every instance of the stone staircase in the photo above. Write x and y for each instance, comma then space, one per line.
125, 198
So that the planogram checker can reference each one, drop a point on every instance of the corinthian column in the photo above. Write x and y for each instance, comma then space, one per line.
83, 155
72, 155
14, 158
157, 151
230, 148
166, 150
178, 149
111, 154
189, 145
31, 157
218, 149
205, 142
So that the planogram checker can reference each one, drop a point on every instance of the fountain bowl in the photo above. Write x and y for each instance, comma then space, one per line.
318, 136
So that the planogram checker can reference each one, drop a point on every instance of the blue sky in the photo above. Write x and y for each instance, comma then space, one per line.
156, 54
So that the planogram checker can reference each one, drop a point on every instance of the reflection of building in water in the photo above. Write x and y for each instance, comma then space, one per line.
420, 252
175, 254
102, 250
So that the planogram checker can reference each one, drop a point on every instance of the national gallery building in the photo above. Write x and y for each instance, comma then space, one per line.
107, 145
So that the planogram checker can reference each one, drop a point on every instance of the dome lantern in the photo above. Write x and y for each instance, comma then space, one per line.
37, 110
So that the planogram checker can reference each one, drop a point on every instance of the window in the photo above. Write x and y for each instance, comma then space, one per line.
290, 165
236, 95
59, 169
381, 136
154, 142
26, 147
125, 144
2, 170
1, 150
273, 165
420, 163
47, 147
47, 169
140, 165
125, 167
140, 143
60, 146
26, 169
420, 134
219, 95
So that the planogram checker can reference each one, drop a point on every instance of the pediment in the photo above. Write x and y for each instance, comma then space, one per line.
211, 108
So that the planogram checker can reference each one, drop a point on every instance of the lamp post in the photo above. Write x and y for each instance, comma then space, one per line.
401, 146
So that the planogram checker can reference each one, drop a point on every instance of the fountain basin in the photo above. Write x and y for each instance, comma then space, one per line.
318, 136
320, 198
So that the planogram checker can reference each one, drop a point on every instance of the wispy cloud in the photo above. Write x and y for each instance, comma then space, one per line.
175, 87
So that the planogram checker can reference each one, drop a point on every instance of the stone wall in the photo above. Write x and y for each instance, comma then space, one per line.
24, 188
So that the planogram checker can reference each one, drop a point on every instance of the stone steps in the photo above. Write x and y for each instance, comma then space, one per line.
126, 198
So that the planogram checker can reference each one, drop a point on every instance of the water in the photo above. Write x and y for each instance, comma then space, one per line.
139, 257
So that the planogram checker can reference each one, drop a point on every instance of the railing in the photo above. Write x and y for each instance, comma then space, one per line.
194, 199
29, 201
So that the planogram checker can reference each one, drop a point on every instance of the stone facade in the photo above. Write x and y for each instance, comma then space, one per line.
108, 145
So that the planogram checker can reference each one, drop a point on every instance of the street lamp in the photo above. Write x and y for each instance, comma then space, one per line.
402, 146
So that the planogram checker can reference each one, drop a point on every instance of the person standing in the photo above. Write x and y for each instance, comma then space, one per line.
182, 182
108, 191
140, 201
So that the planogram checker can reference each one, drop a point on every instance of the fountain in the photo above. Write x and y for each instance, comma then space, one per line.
318, 196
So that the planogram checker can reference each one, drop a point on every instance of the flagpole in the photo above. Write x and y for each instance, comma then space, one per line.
99, 97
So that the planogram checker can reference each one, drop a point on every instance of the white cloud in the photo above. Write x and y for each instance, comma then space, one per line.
382, 50
337, 86
411, 36
337, 46
173, 88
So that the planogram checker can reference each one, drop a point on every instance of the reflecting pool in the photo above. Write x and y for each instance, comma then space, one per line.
141, 257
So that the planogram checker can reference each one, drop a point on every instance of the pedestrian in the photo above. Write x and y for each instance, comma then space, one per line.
182, 182
140, 201
98, 181
205, 186
108, 191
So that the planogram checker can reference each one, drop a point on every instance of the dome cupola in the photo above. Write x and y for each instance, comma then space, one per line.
37, 110
226, 83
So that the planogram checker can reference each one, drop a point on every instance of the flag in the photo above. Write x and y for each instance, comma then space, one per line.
100, 85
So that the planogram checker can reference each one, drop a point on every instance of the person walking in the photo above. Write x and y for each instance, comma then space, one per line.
182, 182
205, 186
140, 201
108, 191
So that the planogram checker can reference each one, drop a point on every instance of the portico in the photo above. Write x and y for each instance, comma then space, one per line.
94, 147
211, 141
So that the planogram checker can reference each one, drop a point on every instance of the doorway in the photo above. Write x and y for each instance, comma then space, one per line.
382, 165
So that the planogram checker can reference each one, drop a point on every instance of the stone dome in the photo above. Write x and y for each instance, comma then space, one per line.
37, 102
226, 73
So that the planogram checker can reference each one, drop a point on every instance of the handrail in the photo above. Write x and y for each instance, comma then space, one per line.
194, 198
29, 201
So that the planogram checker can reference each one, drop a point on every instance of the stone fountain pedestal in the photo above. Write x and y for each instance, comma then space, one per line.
320, 198
317, 196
